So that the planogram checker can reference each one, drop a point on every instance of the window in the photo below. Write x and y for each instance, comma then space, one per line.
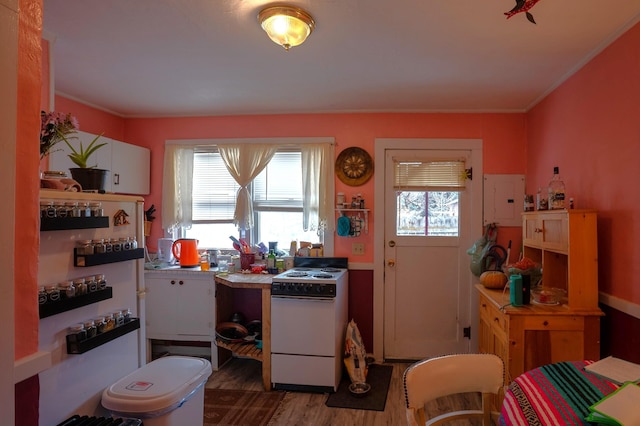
276, 194
427, 197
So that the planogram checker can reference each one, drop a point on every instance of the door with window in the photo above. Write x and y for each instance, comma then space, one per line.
427, 229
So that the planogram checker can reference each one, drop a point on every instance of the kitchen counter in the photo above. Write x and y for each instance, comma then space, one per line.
224, 283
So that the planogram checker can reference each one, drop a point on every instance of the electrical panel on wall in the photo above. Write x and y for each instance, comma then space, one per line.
503, 199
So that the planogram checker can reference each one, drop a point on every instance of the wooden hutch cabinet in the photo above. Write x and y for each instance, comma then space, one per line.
565, 243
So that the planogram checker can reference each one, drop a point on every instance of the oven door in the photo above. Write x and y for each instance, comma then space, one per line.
303, 326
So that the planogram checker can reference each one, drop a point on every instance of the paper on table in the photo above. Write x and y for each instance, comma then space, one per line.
619, 407
615, 369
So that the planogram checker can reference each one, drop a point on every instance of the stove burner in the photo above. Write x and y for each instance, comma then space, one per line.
301, 269
330, 270
297, 274
321, 275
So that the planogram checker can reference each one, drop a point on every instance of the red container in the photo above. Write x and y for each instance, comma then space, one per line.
246, 259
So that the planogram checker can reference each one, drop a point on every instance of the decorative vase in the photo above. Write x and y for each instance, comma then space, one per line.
90, 179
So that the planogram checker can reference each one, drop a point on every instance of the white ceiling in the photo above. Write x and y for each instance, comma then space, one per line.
145, 58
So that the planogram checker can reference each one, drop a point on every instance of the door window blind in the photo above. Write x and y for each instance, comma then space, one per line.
433, 175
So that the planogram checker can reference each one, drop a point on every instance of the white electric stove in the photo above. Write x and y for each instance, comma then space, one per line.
308, 322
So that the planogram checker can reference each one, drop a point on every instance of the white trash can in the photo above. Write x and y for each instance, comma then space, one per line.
166, 392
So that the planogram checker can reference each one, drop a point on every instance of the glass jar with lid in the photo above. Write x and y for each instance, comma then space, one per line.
85, 210
125, 243
116, 244
76, 333
84, 247
61, 209
102, 282
53, 293
109, 323
98, 246
46, 209
96, 208
118, 318
91, 283
108, 246
134, 243
67, 290
72, 208
126, 313
42, 295
81, 287
100, 324
90, 327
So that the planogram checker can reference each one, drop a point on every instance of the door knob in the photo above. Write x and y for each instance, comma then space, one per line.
392, 243
391, 262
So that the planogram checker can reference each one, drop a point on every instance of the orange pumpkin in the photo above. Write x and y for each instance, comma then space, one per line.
493, 279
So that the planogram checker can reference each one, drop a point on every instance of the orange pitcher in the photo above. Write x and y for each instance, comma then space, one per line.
185, 250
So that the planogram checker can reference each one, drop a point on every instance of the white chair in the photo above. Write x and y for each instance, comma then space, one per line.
447, 375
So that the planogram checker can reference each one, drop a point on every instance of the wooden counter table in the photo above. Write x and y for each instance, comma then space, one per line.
223, 305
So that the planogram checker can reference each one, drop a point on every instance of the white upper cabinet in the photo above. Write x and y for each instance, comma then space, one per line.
128, 165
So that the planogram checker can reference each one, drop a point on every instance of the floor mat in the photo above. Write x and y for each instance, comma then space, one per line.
379, 377
231, 407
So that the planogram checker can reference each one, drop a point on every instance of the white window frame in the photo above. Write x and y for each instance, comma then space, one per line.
286, 141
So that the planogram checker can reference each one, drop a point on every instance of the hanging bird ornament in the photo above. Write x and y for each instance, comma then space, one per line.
523, 6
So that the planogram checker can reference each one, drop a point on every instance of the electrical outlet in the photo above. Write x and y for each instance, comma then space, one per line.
357, 248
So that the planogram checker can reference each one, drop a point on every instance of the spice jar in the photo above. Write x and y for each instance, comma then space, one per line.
100, 324
80, 286
125, 243
61, 209
47, 209
91, 284
67, 290
102, 282
76, 333
117, 244
42, 296
109, 323
134, 243
98, 246
126, 313
84, 247
90, 327
53, 294
85, 210
108, 246
118, 318
96, 209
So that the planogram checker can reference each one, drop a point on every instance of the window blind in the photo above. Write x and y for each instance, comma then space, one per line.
214, 190
433, 175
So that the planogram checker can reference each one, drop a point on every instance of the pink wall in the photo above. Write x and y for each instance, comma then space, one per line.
503, 136
92, 120
590, 128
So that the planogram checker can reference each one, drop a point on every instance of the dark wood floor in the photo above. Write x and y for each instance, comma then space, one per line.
301, 409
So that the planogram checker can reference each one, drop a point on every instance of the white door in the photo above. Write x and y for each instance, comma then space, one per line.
427, 285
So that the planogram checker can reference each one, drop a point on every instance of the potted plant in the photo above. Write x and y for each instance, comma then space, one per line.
89, 177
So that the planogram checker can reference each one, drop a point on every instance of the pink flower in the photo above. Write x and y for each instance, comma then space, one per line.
54, 127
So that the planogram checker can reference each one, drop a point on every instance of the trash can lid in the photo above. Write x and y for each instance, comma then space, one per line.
157, 386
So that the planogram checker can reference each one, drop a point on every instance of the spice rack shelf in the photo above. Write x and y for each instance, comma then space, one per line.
64, 305
242, 350
84, 260
62, 223
75, 348
357, 212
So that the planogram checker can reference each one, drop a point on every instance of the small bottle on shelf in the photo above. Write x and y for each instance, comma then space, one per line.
271, 259
556, 191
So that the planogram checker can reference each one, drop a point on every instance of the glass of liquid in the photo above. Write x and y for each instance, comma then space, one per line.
204, 261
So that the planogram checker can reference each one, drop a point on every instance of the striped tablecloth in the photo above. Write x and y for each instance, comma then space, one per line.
554, 394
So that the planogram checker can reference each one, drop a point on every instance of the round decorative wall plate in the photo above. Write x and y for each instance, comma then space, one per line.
354, 166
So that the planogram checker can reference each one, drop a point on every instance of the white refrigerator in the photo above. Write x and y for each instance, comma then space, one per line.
74, 383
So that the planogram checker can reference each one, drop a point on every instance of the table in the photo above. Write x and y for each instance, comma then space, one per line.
252, 281
554, 394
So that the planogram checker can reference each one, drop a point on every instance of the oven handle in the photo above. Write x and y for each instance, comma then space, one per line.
319, 299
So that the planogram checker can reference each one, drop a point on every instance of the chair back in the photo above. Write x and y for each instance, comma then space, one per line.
437, 377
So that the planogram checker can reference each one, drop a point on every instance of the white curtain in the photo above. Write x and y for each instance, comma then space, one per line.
317, 182
177, 187
245, 162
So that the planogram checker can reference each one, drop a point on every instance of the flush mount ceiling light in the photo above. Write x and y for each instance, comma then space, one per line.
287, 26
